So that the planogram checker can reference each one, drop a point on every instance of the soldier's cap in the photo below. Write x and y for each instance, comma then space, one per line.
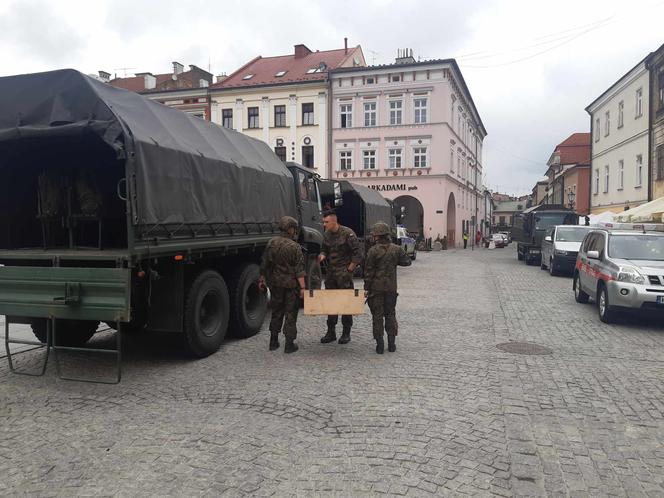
380, 228
287, 222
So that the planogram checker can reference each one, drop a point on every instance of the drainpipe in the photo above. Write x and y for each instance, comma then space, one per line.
330, 167
590, 173
651, 176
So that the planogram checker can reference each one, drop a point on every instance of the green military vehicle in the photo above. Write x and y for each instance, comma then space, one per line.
530, 226
117, 209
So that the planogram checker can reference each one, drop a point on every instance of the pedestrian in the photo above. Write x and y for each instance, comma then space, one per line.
465, 239
380, 285
282, 270
478, 238
341, 249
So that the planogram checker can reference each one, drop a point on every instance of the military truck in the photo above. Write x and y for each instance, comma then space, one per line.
117, 209
529, 227
358, 207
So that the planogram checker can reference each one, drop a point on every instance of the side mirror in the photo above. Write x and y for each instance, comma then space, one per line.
548, 238
593, 254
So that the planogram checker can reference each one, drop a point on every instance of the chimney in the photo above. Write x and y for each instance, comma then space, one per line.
104, 76
345, 45
177, 69
221, 77
149, 81
301, 51
404, 56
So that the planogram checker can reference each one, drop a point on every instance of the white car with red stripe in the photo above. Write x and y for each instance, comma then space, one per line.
621, 266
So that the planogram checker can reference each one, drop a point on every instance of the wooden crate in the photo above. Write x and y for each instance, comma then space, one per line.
334, 302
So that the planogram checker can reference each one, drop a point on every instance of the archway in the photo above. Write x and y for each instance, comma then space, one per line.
413, 214
451, 220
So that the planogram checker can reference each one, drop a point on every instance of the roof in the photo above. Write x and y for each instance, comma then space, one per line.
265, 69
575, 149
137, 83
608, 90
451, 62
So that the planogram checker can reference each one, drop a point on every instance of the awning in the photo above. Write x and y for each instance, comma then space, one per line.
648, 212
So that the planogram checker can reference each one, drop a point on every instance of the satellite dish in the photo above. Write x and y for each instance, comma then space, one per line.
322, 66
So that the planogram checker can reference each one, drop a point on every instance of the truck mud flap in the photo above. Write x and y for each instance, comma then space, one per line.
102, 294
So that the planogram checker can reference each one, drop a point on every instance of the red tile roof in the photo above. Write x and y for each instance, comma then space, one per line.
137, 83
575, 149
264, 69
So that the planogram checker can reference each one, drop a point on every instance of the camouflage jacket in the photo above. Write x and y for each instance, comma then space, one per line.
282, 262
380, 267
341, 248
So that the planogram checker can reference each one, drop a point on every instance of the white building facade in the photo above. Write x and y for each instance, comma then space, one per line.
619, 172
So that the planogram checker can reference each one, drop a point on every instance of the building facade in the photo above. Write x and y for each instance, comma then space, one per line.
283, 101
411, 131
655, 65
619, 173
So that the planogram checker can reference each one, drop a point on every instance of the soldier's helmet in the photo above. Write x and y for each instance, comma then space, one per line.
287, 222
380, 228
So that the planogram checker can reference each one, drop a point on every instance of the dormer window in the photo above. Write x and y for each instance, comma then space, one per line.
280, 74
247, 76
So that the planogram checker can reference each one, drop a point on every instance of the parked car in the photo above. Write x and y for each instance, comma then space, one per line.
560, 246
508, 235
621, 268
499, 239
407, 242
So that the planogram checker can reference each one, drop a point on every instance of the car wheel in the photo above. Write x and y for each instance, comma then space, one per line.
414, 255
605, 310
579, 295
552, 270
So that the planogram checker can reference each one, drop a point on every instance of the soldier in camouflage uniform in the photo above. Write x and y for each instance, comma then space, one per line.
282, 270
380, 285
341, 249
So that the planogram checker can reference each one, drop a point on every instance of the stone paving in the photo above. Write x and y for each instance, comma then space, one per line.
448, 414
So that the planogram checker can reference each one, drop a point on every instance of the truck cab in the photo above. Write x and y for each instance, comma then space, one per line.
531, 225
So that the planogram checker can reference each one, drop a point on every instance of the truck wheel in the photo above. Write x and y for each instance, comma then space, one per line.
605, 310
579, 295
206, 314
72, 333
519, 254
248, 303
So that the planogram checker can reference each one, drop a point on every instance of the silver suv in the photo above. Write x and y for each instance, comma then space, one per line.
621, 269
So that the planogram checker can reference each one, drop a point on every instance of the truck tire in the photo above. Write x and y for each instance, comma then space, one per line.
206, 313
71, 333
519, 254
248, 303
580, 296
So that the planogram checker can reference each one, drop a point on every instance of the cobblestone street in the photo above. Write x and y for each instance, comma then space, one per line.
448, 414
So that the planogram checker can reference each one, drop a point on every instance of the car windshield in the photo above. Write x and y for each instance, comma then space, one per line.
548, 220
571, 234
647, 247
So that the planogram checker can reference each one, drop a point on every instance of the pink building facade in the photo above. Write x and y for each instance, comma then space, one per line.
411, 131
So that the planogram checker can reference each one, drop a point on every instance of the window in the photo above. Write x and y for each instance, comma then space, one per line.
370, 114
661, 90
345, 160
279, 115
369, 159
420, 110
607, 123
346, 115
308, 114
606, 178
395, 78
370, 80
395, 112
280, 152
501, 220
621, 111
308, 156
452, 161
597, 181
621, 174
639, 102
313, 70
394, 157
227, 118
659, 151
280, 74
252, 113
639, 170
420, 157
247, 76
597, 130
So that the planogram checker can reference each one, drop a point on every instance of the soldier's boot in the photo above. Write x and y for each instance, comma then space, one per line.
330, 336
274, 341
380, 345
345, 336
391, 343
290, 346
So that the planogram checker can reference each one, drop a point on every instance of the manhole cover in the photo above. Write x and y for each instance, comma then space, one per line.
523, 348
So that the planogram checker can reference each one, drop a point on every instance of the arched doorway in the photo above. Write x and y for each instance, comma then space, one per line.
413, 214
451, 220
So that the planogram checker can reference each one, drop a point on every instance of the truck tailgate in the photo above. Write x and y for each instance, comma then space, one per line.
77, 293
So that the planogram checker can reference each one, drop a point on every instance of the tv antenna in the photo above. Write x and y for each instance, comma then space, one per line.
373, 56
123, 69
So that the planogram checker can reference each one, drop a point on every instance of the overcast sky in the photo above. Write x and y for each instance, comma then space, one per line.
532, 67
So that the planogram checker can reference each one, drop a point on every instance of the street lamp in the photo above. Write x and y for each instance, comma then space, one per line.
571, 196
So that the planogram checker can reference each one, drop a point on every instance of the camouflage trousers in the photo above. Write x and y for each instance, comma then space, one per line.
383, 313
339, 279
285, 304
